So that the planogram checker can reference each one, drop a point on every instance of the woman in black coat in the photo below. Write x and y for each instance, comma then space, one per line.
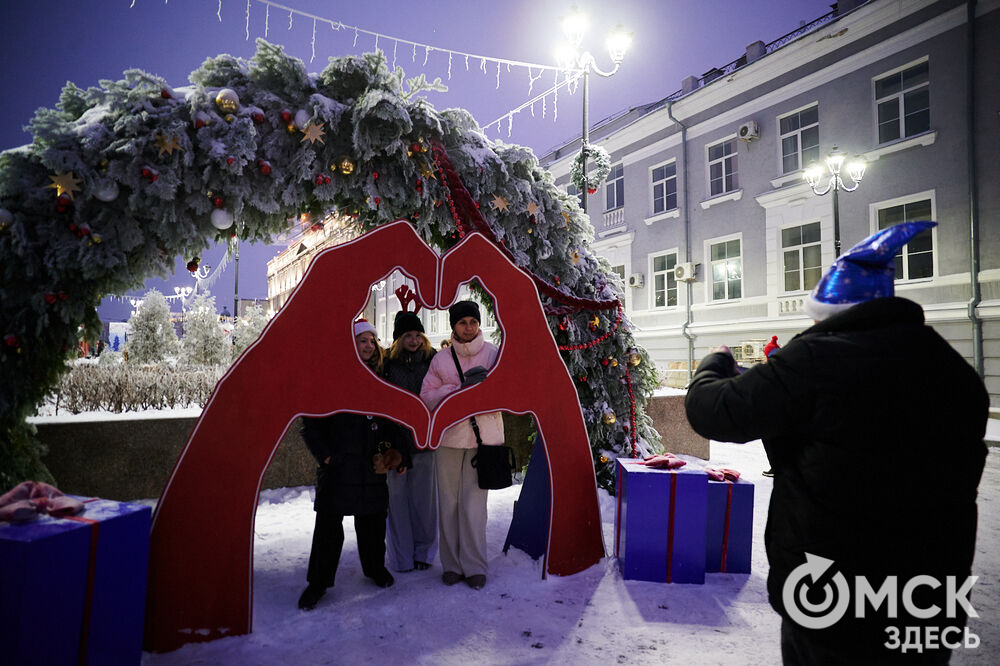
347, 484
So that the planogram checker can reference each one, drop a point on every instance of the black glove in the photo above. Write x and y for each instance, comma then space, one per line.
474, 375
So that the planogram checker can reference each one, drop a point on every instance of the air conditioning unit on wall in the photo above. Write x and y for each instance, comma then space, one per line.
748, 131
685, 272
635, 280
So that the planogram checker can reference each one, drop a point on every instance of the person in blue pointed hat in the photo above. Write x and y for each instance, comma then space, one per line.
874, 427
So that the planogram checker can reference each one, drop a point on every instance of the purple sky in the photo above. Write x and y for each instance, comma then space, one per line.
47, 44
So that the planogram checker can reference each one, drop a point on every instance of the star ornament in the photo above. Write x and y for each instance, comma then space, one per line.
64, 183
533, 208
167, 145
313, 132
499, 203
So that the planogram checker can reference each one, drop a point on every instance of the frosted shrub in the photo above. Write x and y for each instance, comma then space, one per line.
153, 337
204, 341
125, 387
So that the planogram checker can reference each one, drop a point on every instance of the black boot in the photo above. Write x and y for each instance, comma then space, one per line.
383, 578
311, 596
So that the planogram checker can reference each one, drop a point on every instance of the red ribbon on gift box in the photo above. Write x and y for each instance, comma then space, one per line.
670, 524
95, 528
725, 526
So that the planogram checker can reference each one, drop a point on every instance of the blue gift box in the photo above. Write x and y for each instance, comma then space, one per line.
74, 589
729, 535
660, 523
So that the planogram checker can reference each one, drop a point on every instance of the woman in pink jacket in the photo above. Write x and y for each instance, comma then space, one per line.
461, 502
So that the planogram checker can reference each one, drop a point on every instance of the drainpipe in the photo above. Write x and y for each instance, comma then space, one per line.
977, 323
689, 288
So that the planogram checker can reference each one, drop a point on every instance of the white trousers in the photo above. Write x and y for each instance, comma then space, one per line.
413, 513
462, 513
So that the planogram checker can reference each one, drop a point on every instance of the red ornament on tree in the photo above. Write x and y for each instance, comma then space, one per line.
150, 174
286, 116
165, 94
264, 167
582, 378
591, 190
193, 265
555, 280
420, 185
257, 117
50, 298
218, 201
10, 339
230, 160
319, 179
374, 175
378, 201
64, 205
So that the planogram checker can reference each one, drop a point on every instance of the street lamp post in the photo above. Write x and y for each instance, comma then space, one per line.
834, 165
569, 57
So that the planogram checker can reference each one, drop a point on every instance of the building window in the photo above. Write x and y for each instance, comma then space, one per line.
664, 282
722, 167
903, 101
614, 188
619, 270
799, 139
916, 259
727, 270
802, 257
574, 191
664, 181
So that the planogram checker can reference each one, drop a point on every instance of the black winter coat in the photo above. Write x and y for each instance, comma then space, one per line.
874, 427
348, 485
407, 372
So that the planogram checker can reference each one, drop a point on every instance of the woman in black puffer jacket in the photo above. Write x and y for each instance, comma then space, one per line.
347, 484
412, 496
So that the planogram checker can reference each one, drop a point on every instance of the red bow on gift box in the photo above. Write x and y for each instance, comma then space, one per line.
664, 461
25, 501
722, 474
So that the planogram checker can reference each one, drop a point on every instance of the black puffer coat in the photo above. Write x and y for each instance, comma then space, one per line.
874, 427
407, 372
348, 485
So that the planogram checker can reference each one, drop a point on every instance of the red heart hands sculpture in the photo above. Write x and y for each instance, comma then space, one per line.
201, 551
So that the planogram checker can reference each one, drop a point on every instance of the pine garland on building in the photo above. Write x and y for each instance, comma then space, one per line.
123, 178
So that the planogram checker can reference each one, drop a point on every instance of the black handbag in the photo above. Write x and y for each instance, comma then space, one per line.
494, 465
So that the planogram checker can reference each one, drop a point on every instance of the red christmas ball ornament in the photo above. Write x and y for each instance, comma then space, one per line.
563, 325
374, 175
378, 201
420, 185
319, 179
264, 167
50, 298
286, 116
149, 174
415, 147
230, 160
218, 201
10, 339
591, 190
166, 94
605, 362
326, 180
582, 379
258, 117
192, 265
555, 280
63, 205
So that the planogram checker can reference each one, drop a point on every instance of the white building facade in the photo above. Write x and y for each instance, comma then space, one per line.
707, 217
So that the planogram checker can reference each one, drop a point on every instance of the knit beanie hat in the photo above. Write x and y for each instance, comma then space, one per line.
362, 325
865, 272
463, 309
771, 346
406, 322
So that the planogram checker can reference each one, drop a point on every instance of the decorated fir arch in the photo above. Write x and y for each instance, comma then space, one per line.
121, 179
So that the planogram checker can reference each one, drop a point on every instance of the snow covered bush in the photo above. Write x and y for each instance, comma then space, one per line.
126, 387
153, 337
204, 341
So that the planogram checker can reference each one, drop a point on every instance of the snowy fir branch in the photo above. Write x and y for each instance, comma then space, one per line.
123, 178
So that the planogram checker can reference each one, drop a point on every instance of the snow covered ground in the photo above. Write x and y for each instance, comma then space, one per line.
594, 617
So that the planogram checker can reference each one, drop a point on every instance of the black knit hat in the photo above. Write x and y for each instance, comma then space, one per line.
463, 309
406, 322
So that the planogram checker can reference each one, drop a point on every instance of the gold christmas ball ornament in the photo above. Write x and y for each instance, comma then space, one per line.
613, 362
604, 460
227, 101
634, 358
345, 165
609, 418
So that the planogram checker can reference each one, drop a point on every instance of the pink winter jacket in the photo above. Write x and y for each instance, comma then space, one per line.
442, 380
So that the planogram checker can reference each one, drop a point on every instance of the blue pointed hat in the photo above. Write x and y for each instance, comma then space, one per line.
864, 272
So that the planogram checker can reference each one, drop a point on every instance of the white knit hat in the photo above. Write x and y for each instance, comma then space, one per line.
362, 325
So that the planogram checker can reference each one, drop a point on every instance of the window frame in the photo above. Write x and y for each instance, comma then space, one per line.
901, 96
652, 188
618, 183
798, 134
927, 195
736, 163
710, 265
801, 269
668, 275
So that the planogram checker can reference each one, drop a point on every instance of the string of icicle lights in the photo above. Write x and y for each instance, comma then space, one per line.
570, 76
